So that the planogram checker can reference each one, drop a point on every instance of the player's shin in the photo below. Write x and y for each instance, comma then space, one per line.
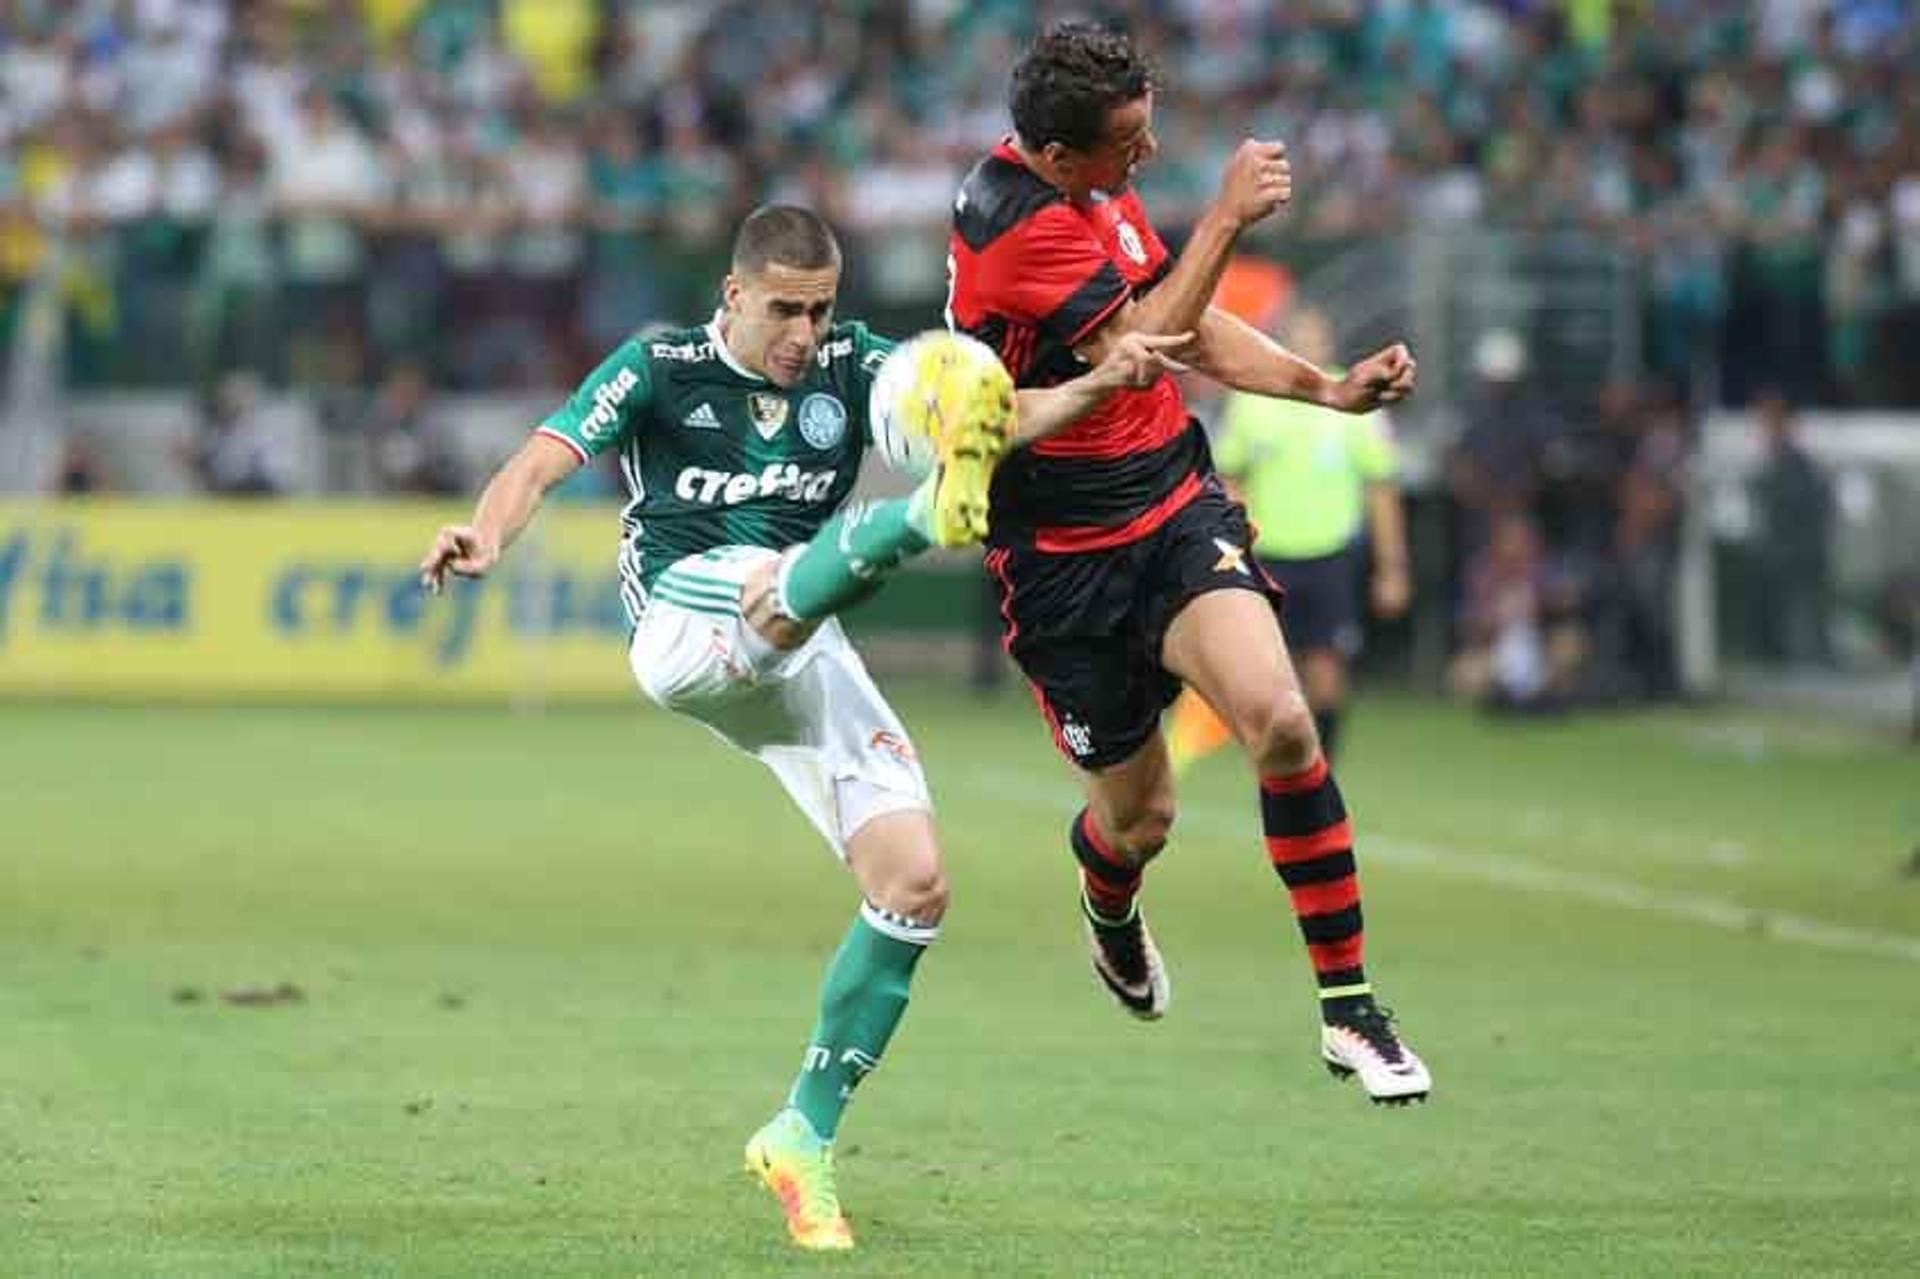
861, 1002
1109, 885
1310, 843
850, 556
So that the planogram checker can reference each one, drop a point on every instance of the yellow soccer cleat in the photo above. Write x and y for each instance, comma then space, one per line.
962, 404
792, 1162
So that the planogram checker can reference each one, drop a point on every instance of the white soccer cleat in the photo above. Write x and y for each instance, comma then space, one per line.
1364, 1043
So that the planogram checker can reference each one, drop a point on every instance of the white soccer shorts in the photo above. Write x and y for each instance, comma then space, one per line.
811, 714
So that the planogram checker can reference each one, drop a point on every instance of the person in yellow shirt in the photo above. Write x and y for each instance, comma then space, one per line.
556, 39
1317, 484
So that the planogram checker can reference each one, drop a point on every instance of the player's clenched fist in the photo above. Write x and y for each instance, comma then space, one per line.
1258, 180
1384, 377
460, 550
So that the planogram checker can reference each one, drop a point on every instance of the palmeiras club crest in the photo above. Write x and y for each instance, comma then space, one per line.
823, 420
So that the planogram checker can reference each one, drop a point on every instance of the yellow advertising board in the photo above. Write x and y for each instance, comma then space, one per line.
301, 600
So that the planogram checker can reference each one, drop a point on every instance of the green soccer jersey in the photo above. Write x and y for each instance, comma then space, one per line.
715, 455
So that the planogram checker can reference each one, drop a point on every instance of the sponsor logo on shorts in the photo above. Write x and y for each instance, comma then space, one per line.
1078, 737
1232, 558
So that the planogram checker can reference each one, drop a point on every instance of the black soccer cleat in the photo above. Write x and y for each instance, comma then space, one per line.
1128, 963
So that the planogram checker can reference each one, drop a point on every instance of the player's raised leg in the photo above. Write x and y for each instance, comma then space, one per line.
961, 410
1228, 645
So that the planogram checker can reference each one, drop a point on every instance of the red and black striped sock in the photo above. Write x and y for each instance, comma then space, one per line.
1110, 885
1311, 844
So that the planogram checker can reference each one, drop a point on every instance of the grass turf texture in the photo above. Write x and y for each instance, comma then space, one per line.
553, 970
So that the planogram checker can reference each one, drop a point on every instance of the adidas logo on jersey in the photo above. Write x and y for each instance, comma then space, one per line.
702, 419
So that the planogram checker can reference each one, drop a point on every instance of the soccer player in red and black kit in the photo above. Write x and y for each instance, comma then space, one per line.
1123, 567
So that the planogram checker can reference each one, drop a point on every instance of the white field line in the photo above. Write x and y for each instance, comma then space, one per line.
1029, 791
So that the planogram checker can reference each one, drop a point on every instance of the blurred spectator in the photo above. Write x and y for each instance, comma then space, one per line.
408, 442
325, 178
1646, 547
1794, 505
554, 38
1500, 460
238, 454
81, 470
1620, 501
545, 172
1900, 621
625, 199
233, 316
442, 171
1521, 642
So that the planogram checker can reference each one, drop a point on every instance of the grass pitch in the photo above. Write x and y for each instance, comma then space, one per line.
403, 993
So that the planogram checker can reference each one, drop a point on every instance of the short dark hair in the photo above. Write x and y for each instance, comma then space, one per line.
787, 234
1070, 78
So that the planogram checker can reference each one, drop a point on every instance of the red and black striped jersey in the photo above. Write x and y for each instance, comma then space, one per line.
1032, 275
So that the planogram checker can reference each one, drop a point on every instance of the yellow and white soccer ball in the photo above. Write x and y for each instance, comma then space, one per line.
928, 385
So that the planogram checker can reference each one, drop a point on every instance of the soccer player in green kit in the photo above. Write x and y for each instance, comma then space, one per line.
740, 441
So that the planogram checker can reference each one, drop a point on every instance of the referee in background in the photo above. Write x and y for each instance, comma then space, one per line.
1318, 486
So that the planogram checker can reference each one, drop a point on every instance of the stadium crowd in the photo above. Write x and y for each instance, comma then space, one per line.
386, 199
501, 187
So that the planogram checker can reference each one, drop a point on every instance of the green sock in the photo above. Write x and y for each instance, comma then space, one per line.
861, 1001
853, 551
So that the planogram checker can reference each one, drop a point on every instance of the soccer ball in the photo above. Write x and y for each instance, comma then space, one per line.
930, 380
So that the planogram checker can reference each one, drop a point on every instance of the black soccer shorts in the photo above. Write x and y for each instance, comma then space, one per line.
1323, 600
1086, 627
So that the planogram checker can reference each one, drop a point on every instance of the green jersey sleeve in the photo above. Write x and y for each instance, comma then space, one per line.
1373, 451
602, 412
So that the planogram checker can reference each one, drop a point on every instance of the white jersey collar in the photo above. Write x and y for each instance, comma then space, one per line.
725, 353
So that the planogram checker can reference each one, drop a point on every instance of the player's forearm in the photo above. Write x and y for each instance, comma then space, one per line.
1235, 354
515, 492
1043, 411
506, 505
1387, 526
1176, 304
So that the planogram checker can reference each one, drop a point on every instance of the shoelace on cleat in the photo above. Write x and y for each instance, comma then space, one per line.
819, 1197
1375, 1025
1124, 946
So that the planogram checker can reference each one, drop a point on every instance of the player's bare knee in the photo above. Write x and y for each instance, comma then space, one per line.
760, 605
1140, 835
1279, 733
920, 893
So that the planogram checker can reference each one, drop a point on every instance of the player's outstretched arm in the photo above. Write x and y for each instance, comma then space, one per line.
506, 504
1136, 360
1234, 353
1257, 181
